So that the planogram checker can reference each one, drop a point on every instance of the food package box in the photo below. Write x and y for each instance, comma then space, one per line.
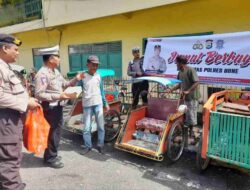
151, 124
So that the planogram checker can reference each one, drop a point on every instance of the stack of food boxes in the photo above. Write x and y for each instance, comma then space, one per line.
149, 130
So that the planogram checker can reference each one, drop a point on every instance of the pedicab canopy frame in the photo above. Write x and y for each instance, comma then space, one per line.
101, 72
150, 130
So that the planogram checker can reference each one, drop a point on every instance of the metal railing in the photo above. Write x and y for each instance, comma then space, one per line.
205, 89
24, 11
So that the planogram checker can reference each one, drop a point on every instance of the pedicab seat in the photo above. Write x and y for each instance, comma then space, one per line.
159, 108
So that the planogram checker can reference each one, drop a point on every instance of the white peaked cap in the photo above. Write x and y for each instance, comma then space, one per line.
50, 51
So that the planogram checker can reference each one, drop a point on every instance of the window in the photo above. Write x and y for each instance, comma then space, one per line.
37, 58
109, 54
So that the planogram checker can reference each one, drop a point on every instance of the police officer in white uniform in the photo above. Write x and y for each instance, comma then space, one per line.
49, 86
14, 101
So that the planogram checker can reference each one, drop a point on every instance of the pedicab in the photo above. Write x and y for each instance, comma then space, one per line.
112, 121
155, 130
226, 130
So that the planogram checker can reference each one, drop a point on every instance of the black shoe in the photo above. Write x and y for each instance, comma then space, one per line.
100, 150
58, 158
85, 151
56, 164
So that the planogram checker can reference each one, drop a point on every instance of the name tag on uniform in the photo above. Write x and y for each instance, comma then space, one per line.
62, 103
57, 103
53, 104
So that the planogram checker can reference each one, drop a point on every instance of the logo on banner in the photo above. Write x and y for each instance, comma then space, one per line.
198, 45
209, 44
219, 44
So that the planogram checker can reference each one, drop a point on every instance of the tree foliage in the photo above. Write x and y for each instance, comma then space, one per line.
10, 2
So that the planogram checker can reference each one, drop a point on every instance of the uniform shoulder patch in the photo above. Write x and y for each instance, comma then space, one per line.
42, 78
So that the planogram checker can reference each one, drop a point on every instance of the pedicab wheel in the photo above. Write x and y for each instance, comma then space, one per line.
175, 141
201, 163
112, 125
121, 98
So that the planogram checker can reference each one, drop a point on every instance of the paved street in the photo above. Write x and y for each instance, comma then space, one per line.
117, 170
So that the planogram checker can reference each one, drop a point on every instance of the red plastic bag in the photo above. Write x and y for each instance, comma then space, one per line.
36, 131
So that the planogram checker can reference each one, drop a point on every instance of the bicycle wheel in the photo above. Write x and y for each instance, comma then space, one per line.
175, 141
112, 125
121, 98
201, 163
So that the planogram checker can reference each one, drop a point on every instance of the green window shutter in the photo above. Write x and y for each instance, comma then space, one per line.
75, 62
109, 55
103, 60
38, 62
99, 48
115, 60
84, 61
114, 47
115, 57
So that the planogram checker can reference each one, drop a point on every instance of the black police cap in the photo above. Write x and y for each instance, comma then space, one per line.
157, 47
8, 39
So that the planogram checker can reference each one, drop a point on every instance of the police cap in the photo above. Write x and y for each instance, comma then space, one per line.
8, 39
135, 49
157, 47
50, 51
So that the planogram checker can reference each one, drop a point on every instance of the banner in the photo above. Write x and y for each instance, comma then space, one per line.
218, 58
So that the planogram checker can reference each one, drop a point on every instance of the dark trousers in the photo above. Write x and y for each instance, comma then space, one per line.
11, 127
139, 88
54, 116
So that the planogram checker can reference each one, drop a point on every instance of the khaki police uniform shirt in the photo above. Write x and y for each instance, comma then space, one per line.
157, 63
49, 84
13, 95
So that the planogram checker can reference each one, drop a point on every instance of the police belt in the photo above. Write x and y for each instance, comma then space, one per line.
11, 111
50, 104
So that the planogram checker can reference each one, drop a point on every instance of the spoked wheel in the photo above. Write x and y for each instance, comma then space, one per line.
201, 163
175, 141
122, 106
112, 125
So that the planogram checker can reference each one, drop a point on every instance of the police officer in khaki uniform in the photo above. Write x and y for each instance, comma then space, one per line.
14, 101
156, 63
49, 86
